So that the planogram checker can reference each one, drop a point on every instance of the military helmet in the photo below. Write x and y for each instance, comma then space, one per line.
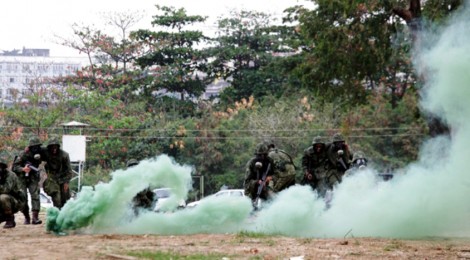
359, 159
318, 140
358, 155
269, 143
132, 162
261, 148
34, 141
338, 138
53, 141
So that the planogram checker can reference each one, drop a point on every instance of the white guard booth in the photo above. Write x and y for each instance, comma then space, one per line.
75, 145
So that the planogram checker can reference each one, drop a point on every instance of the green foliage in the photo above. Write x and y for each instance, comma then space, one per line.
175, 255
91, 177
348, 69
172, 58
394, 136
36, 115
347, 42
250, 234
242, 54
438, 10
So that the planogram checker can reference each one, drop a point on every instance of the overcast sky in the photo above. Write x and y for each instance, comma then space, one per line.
33, 23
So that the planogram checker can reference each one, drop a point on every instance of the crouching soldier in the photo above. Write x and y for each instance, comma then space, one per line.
145, 198
12, 197
284, 168
258, 167
339, 158
359, 163
314, 166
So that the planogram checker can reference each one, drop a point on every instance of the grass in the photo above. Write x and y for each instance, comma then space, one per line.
394, 245
250, 234
176, 256
241, 236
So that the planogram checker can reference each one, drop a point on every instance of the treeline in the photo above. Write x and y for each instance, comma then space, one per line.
341, 67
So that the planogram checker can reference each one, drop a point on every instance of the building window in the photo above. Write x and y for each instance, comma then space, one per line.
26, 92
12, 80
11, 92
26, 68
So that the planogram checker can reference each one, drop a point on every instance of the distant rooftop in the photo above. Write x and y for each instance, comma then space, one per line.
26, 52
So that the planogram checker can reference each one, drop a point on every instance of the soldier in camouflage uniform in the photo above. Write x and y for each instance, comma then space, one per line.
33, 155
145, 198
314, 166
12, 197
359, 162
59, 173
284, 168
339, 158
256, 167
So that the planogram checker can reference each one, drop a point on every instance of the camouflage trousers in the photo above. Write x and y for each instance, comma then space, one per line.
266, 193
332, 178
33, 187
323, 181
57, 192
8, 205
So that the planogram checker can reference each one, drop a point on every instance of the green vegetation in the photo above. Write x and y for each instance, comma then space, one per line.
175, 256
343, 67
394, 245
251, 234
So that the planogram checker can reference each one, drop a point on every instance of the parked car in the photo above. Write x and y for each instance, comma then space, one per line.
46, 200
227, 192
162, 195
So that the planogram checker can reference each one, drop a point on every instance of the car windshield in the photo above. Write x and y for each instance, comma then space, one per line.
229, 193
162, 193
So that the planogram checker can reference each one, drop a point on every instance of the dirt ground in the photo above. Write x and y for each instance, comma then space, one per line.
33, 242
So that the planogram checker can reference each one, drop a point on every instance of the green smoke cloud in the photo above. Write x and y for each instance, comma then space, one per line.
427, 198
108, 204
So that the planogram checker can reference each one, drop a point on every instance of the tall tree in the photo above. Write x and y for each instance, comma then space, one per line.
246, 43
108, 57
172, 58
413, 14
349, 44
121, 49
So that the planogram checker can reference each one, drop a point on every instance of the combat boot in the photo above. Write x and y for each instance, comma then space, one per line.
9, 221
27, 218
36, 220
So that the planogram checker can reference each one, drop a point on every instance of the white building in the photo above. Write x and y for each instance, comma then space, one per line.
22, 71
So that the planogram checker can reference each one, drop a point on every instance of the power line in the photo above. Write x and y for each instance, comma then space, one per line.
240, 137
237, 137
221, 130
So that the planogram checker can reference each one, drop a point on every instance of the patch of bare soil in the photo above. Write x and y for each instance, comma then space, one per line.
33, 242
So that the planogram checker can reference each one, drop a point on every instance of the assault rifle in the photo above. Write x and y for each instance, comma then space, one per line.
40, 171
261, 185
32, 167
340, 159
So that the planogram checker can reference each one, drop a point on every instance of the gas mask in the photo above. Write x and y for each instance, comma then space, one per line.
53, 149
339, 145
318, 148
258, 165
360, 163
36, 151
